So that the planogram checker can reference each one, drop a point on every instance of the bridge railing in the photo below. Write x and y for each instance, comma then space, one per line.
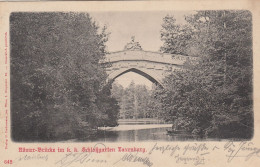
146, 56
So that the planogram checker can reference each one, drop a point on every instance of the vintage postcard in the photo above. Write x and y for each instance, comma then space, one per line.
129, 83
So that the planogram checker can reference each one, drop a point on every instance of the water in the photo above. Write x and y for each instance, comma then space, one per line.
150, 132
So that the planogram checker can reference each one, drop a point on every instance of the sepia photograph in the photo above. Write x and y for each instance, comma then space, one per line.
131, 76
130, 83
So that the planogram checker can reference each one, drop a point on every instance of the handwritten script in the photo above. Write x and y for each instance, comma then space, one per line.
81, 158
245, 150
41, 157
134, 158
192, 153
197, 153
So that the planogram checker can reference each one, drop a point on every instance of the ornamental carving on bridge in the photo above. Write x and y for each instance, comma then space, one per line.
133, 45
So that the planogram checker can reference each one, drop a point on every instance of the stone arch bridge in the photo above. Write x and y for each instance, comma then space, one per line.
152, 65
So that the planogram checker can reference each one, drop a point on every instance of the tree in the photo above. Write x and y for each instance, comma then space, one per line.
136, 101
213, 97
56, 78
142, 98
154, 106
109, 107
177, 38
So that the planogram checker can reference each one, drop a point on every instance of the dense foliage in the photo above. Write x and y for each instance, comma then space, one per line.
58, 89
214, 96
135, 101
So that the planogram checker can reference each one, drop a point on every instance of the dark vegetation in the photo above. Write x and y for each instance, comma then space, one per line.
58, 89
214, 96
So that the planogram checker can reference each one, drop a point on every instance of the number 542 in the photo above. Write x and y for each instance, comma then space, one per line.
8, 161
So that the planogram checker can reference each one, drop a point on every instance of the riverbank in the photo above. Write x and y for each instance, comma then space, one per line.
140, 121
135, 127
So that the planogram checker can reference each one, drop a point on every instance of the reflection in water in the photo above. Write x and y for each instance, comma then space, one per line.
155, 134
152, 134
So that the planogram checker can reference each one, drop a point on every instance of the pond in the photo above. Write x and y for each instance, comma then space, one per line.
139, 130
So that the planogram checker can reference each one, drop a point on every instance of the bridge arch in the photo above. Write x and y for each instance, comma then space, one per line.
153, 77
152, 65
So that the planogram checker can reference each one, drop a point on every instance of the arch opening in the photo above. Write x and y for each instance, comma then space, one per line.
144, 74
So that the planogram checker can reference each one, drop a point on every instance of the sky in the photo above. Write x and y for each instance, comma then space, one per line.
145, 26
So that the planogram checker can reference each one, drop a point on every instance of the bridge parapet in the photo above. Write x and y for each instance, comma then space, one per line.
152, 65
139, 55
